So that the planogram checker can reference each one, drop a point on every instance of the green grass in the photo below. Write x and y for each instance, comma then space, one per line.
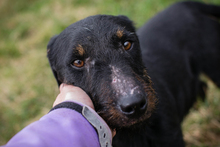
202, 125
27, 85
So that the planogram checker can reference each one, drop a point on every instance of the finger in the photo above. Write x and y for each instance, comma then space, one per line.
73, 93
113, 132
61, 87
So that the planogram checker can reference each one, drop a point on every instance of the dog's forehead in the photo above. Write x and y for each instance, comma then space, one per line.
97, 30
103, 25
106, 21
94, 34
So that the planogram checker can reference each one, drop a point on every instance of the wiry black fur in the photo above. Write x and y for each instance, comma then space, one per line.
103, 52
177, 45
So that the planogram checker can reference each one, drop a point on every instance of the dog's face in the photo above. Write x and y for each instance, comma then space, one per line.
101, 54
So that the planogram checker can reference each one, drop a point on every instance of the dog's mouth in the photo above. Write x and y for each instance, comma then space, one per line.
130, 107
118, 117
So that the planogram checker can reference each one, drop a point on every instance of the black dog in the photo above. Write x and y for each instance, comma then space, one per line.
101, 54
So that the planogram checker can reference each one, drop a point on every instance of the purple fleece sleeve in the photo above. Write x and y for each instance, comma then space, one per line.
61, 127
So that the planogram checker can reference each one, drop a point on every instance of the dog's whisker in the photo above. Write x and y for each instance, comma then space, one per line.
87, 29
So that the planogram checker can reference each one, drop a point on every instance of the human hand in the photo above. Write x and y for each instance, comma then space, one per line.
73, 93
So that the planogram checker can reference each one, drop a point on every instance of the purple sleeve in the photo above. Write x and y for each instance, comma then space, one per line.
61, 127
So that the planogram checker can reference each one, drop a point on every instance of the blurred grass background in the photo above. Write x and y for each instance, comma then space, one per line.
27, 85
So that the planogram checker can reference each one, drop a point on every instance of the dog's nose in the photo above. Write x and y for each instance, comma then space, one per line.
133, 105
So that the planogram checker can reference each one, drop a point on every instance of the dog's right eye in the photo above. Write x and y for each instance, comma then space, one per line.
78, 63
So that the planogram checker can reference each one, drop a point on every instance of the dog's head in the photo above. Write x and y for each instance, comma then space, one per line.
101, 54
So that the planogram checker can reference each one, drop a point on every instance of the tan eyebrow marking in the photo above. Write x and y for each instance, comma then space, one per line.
80, 50
119, 33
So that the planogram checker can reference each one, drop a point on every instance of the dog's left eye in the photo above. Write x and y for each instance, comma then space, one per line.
78, 63
127, 45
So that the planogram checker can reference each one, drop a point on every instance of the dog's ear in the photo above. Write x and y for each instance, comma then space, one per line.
51, 42
50, 54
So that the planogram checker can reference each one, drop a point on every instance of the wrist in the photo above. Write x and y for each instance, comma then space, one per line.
104, 132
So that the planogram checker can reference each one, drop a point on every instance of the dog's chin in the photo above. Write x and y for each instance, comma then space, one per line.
118, 120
